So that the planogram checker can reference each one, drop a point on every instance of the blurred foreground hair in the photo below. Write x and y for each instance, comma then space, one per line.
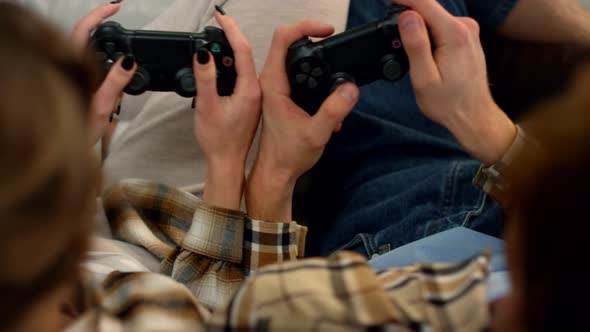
549, 191
49, 177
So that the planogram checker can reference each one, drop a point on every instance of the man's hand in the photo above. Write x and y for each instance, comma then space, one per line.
225, 126
110, 92
292, 141
451, 82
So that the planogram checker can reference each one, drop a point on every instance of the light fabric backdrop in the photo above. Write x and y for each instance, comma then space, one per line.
135, 14
158, 143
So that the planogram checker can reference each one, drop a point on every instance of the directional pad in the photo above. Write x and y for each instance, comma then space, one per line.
312, 83
310, 74
301, 78
110, 48
317, 72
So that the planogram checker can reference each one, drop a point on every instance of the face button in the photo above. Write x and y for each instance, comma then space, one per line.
216, 48
227, 61
396, 44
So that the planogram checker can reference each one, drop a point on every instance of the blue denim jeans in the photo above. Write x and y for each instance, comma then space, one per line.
392, 176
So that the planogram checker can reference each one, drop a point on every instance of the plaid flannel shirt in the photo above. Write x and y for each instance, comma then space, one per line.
224, 271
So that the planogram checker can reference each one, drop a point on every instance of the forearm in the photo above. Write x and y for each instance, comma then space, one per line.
486, 134
560, 21
269, 194
224, 185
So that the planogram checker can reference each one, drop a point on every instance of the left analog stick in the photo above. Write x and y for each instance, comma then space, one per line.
139, 83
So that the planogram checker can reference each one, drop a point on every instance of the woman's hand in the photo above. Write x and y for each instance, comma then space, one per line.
225, 126
451, 82
292, 141
108, 96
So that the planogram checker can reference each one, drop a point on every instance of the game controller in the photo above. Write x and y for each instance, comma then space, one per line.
361, 55
165, 59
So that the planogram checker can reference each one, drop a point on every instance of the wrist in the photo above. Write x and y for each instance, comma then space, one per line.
224, 185
486, 134
269, 194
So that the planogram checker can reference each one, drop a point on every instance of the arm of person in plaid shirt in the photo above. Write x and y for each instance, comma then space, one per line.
209, 246
340, 293
210, 250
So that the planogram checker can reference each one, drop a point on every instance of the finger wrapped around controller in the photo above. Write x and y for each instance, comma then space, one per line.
441, 23
423, 67
108, 95
244, 57
205, 78
84, 27
110, 91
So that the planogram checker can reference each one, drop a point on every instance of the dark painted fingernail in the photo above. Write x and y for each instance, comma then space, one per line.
111, 117
203, 56
128, 62
118, 109
114, 2
193, 104
220, 10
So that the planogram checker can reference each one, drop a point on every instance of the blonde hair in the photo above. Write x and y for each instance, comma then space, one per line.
48, 175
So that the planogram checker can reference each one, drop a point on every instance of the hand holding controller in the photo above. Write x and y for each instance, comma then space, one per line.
164, 59
362, 55
107, 96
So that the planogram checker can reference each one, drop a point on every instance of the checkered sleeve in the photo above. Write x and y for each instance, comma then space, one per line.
270, 242
208, 249
218, 273
217, 233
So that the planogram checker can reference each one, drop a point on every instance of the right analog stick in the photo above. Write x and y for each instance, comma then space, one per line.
139, 82
391, 69
185, 83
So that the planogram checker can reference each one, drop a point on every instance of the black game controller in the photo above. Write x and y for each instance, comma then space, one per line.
361, 55
165, 59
